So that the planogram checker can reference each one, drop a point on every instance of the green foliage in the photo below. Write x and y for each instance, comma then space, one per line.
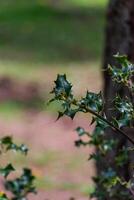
126, 111
123, 74
6, 143
21, 186
109, 184
3, 196
6, 170
62, 88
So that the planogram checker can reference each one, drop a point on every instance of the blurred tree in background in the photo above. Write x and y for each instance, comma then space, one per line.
119, 38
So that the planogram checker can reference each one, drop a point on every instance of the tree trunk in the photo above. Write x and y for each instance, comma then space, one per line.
119, 35
119, 38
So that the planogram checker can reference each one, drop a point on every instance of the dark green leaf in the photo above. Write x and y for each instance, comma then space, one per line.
122, 59
93, 101
80, 142
62, 86
95, 157
8, 144
6, 170
81, 131
71, 112
21, 187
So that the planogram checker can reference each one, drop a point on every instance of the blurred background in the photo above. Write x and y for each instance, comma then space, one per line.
38, 40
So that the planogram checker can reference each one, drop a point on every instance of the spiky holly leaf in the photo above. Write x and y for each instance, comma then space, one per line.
124, 106
79, 143
8, 144
6, 170
122, 59
98, 133
62, 87
124, 73
20, 187
80, 131
93, 101
94, 156
125, 110
71, 112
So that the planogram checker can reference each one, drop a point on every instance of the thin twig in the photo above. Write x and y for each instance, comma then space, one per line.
111, 125
108, 122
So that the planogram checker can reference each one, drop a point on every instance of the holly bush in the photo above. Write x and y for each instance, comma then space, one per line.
20, 187
109, 183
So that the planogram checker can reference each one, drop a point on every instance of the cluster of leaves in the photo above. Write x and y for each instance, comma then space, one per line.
126, 111
6, 144
124, 73
109, 184
19, 187
22, 186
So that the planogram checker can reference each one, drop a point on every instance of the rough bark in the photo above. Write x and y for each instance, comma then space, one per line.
119, 35
119, 38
